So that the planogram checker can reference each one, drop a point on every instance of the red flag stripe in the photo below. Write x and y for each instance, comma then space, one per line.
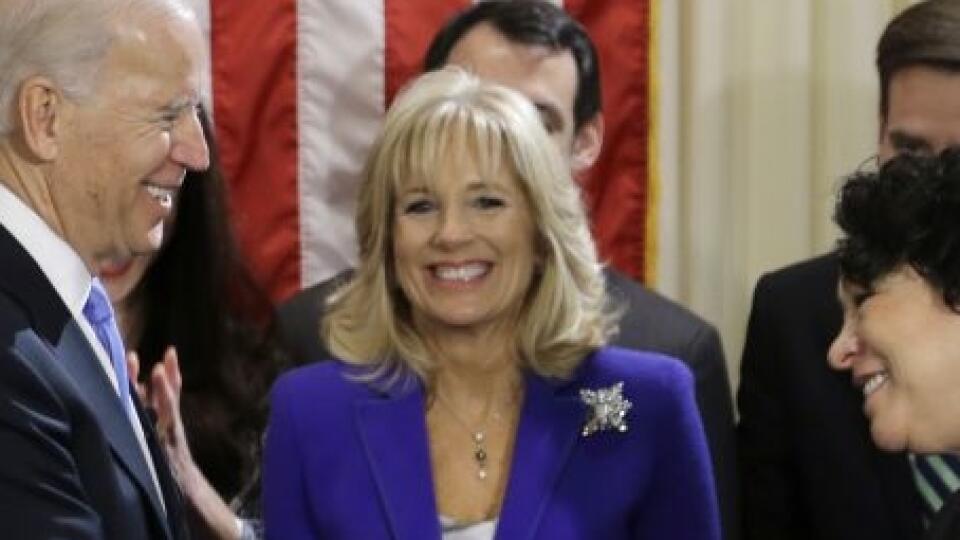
617, 185
410, 28
253, 46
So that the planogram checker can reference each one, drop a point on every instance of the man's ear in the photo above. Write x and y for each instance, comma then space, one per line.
40, 109
587, 142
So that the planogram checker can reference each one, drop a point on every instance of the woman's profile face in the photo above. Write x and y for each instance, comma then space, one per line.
901, 343
464, 246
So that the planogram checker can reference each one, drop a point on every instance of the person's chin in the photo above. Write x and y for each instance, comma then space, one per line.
152, 240
887, 437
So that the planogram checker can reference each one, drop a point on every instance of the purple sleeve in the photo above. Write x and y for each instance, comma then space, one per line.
285, 509
682, 503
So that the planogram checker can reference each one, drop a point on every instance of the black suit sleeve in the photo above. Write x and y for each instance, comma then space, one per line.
298, 320
41, 494
705, 356
770, 504
298, 327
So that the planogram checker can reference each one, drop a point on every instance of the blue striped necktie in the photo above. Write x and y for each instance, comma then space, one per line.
99, 313
937, 477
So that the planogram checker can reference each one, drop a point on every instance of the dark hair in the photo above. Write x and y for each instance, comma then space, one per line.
199, 297
907, 213
925, 34
529, 22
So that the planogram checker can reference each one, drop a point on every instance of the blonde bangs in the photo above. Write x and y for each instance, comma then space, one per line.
450, 131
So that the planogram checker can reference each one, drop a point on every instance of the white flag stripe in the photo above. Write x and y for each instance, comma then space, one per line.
340, 62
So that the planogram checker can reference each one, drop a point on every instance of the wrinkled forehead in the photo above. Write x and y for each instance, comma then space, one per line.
168, 49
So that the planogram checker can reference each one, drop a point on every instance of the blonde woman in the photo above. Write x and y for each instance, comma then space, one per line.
473, 396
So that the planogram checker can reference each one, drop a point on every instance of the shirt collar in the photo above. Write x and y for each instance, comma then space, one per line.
62, 266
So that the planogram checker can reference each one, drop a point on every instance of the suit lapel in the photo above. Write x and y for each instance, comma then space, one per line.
549, 428
394, 435
896, 480
171, 492
79, 360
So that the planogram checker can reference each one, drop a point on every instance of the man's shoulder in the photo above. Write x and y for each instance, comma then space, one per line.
802, 296
653, 322
298, 320
815, 274
312, 298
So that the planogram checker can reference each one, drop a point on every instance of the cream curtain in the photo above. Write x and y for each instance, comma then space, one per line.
764, 105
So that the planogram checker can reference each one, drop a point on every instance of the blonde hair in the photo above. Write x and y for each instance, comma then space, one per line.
566, 312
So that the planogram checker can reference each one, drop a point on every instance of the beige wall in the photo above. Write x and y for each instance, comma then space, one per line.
765, 104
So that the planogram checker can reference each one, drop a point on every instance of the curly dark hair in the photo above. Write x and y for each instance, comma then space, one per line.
908, 212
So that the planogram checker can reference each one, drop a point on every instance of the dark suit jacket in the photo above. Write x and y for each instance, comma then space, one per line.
946, 524
346, 460
70, 463
809, 469
650, 323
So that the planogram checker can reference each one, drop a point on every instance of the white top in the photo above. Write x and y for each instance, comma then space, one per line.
69, 276
480, 530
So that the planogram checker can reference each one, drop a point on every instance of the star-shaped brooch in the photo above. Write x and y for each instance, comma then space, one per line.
608, 409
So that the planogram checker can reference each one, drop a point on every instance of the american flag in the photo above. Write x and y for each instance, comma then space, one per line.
299, 89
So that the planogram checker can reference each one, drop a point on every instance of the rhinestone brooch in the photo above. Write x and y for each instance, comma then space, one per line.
608, 409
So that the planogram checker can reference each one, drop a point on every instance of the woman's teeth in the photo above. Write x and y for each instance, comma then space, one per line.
460, 273
874, 383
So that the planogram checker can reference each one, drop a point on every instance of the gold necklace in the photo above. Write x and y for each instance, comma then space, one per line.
478, 437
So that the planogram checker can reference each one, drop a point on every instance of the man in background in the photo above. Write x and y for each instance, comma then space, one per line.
97, 129
537, 49
808, 467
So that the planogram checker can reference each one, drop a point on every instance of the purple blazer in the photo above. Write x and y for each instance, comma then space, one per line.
346, 460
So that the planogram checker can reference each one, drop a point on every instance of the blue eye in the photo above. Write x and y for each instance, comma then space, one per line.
487, 202
418, 206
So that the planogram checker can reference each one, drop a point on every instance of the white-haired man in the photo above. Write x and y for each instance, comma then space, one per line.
98, 126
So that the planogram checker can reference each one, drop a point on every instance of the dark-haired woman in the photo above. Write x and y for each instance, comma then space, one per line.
900, 291
195, 302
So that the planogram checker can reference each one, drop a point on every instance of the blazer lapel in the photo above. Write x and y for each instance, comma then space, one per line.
896, 481
549, 429
394, 435
79, 360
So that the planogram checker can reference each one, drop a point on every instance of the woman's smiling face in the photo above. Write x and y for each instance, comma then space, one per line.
464, 245
901, 343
